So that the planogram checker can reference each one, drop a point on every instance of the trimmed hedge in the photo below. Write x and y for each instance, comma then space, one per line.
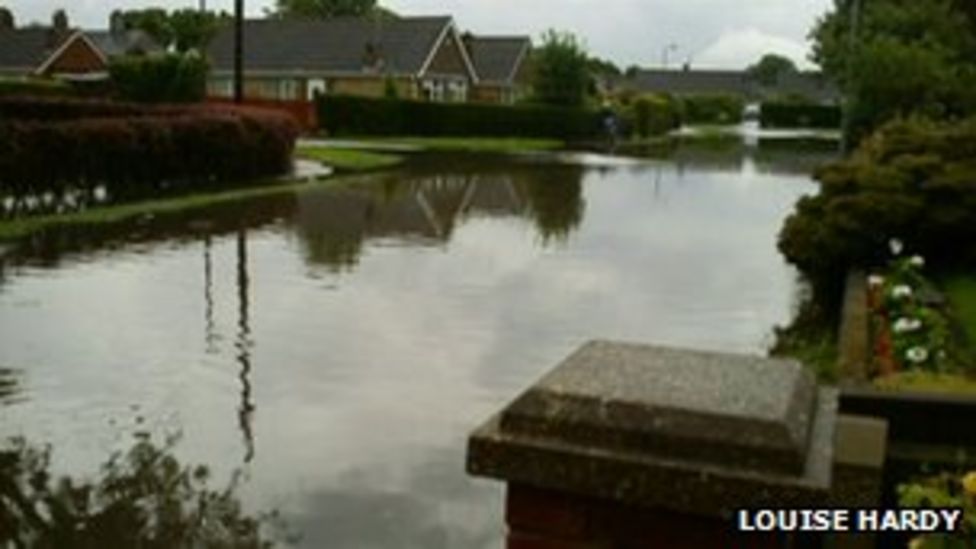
34, 87
347, 115
130, 149
654, 115
794, 115
714, 108
913, 180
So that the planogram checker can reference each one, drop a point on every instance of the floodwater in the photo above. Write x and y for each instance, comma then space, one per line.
336, 345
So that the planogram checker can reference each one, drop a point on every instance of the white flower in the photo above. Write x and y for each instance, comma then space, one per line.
876, 281
917, 355
917, 261
896, 246
905, 325
901, 291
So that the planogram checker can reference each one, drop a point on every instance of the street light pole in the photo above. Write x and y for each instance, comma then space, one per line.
666, 53
238, 51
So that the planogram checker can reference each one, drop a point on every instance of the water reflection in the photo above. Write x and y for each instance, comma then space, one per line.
374, 321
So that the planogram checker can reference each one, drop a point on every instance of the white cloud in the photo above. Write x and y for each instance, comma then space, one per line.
740, 48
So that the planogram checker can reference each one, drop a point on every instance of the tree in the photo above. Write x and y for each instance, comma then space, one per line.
327, 8
153, 21
771, 67
194, 29
7, 21
904, 58
562, 74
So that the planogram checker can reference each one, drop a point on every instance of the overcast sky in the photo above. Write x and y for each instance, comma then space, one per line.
711, 33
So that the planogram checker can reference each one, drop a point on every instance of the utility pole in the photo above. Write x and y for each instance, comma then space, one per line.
238, 51
850, 98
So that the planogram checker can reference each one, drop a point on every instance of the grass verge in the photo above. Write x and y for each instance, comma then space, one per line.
471, 144
927, 382
961, 291
348, 160
18, 228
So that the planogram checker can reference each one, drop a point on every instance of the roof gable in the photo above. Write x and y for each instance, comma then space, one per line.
497, 59
338, 45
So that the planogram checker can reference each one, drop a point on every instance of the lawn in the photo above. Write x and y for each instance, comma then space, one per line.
348, 160
20, 227
470, 144
961, 291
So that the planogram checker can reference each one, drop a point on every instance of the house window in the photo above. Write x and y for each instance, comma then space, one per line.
458, 91
287, 90
221, 87
316, 87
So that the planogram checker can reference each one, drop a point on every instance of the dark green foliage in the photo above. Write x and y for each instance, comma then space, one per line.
768, 70
562, 71
153, 21
346, 115
326, 8
789, 114
185, 29
133, 149
144, 498
651, 114
34, 87
714, 108
913, 180
7, 20
172, 78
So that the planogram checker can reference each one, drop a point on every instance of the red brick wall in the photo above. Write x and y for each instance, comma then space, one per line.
78, 58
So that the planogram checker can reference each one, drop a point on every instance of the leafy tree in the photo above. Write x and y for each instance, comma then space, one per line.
60, 20
906, 58
327, 8
7, 20
194, 29
562, 74
153, 21
768, 70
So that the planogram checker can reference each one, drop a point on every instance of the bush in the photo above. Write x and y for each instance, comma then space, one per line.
654, 115
34, 87
140, 149
913, 180
713, 108
782, 114
346, 115
171, 78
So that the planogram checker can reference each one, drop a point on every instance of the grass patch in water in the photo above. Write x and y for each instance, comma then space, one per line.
350, 160
18, 228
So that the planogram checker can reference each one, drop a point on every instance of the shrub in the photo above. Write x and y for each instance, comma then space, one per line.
34, 87
654, 115
345, 115
134, 149
913, 180
171, 78
782, 114
713, 108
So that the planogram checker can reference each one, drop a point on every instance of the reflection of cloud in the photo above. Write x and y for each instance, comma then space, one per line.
437, 508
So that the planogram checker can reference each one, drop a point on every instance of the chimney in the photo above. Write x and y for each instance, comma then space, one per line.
116, 23
7, 21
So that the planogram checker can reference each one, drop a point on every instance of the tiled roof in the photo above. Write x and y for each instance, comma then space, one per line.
496, 58
27, 48
113, 44
813, 85
339, 45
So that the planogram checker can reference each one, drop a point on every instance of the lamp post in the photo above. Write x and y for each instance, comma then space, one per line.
238, 51
666, 53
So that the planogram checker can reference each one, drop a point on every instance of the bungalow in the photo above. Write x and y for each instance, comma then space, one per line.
502, 64
294, 60
811, 85
61, 52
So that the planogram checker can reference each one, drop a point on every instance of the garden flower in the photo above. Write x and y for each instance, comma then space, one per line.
917, 261
969, 484
905, 325
901, 291
897, 246
875, 281
917, 355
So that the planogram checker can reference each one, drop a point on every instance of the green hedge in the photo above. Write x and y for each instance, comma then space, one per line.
653, 114
794, 115
346, 115
170, 78
913, 180
717, 108
154, 149
34, 87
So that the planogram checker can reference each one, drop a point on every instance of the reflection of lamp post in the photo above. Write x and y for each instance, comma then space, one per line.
246, 412
666, 53
238, 51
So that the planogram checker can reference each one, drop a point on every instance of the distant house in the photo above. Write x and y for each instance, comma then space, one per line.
65, 53
811, 85
294, 60
502, 65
